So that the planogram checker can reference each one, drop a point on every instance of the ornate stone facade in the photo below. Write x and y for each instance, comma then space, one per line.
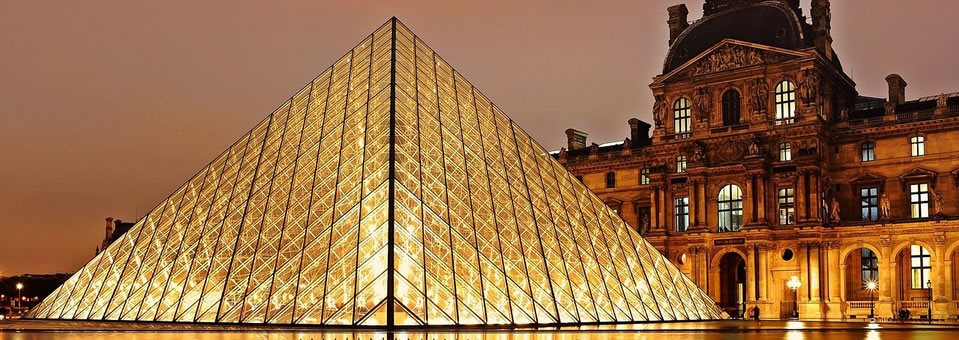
813, 180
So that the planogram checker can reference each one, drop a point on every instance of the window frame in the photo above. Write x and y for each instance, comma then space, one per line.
682, 117
785, 152
786, 203
923, 268
681, 164
919, 200
732, 107
644, 176
868, 266
785, 99
727, 209
917, 146
681, 213
610, 180
869, 203
870, 151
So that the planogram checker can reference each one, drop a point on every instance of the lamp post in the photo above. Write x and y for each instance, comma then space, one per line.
19, 295
872, 286
929, 286
794, 284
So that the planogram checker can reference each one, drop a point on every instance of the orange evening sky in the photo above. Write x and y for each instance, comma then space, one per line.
107, 106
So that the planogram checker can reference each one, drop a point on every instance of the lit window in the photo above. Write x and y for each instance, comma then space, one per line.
610, 179
919, 200
730, 208
918, 145
682, 214
868, 151
731, 108
785, 103
682, 117
870, 266
681, 164
785, 151
869, 201
644, 176
787, 206
921, 266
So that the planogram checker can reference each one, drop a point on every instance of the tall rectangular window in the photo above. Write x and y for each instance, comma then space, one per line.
610, 179
917, 145
870, 266
869, 202
919, 200
785, 103
868, 151
682, 214
787, 206
682, 118
681, 164
921, 263
644, 176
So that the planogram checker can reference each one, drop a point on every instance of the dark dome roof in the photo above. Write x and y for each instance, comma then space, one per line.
771, 23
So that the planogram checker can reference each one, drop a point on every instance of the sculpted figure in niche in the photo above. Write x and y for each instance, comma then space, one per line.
698, 154
834, 210
884, 206
843, 109
942, 101
759, 99
809, 87
755, 146
937, 197
659, 111
703, 105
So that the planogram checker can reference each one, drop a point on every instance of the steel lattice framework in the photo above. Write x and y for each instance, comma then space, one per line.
386, 192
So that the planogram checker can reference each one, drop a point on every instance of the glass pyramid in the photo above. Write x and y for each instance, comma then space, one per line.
386, 192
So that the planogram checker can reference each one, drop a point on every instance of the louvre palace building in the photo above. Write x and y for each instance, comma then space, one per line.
773, 184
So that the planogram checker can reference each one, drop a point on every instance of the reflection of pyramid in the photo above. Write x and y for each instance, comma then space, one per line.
388, 191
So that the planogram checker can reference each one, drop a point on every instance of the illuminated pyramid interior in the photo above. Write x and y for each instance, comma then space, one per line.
389, 191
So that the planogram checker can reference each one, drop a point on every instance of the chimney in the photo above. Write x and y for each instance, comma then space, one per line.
897, 89
109, 229
822, 24
677, 21
575, 139
639, 133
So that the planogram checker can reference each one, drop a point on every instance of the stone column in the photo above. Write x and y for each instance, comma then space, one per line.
751, 275
702, 204
749, 201
693, 206
665, 209
653, 207
761, 198
887, 280
815, 201
940, 307
801, 199
834, 308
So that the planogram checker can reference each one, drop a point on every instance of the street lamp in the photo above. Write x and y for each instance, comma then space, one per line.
872, 286
794, 284
19, 295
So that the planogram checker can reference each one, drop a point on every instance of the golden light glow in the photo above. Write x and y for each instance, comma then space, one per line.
872, 285
358, 180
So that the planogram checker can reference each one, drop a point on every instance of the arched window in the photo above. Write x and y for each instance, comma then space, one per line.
682, 117
730, 208
785, 103
731, 108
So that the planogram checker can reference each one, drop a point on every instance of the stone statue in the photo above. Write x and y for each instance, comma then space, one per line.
727, 58
942, 101
759, 96
834, 210
703, 105
809, 87
698, 154
755, 147
884, 206
644, 223
843, 109
937, 198
659, 111
890, 108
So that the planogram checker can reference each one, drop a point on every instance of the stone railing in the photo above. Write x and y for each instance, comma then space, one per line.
914, 304
860, 304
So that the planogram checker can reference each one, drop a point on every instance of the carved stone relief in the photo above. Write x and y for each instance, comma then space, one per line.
727, 58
